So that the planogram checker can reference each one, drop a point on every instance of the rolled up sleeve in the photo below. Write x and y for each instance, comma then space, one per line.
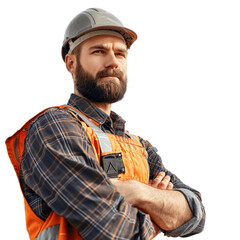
194, 225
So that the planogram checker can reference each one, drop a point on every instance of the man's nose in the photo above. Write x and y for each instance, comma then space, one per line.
111, 60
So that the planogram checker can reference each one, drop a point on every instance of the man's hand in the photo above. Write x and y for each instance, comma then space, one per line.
168, 209
161, 182
130, 189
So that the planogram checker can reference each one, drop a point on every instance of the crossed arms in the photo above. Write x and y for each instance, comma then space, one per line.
168, 209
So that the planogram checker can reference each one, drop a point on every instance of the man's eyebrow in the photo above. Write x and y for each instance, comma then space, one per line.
97, 47
123, 50
102, 47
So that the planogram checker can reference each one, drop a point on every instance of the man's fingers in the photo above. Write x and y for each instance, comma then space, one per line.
156, 181
164, 183
170, 186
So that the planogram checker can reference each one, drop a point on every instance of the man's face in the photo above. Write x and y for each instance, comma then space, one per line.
101, 69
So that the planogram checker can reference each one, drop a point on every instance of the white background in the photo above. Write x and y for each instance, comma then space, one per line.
183, 93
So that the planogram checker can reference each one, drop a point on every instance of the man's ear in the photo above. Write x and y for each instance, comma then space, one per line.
71, 62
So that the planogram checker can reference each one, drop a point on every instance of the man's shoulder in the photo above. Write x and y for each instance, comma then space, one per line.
52, 115
55, 126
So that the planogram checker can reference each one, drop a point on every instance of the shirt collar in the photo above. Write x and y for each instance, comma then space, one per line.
93, 112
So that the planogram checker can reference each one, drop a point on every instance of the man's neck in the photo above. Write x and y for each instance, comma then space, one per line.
105, 107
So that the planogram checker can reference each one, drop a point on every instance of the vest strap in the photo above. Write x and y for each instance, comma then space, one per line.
103, 139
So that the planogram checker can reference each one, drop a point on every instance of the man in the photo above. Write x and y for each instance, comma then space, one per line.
82, 175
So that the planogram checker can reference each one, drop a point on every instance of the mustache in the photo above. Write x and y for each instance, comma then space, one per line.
110, 72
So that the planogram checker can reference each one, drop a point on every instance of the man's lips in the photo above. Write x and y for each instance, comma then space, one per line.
110, 74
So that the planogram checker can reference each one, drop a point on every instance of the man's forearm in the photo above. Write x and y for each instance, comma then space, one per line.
168, 209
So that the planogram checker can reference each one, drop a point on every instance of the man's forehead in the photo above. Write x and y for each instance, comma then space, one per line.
105, 41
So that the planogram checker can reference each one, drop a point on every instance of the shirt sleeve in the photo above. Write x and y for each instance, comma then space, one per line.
193, 197
60, 166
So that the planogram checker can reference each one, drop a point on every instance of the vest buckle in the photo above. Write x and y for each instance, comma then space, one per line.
113, 164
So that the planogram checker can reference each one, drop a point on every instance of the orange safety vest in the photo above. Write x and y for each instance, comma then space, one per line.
122, 157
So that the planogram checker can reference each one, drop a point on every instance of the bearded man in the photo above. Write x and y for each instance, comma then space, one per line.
82, 175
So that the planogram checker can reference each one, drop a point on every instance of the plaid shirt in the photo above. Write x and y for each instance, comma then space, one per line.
59, 173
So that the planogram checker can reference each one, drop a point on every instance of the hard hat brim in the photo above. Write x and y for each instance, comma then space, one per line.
129, 36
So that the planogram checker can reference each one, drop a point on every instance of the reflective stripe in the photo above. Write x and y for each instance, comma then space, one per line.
103, 139
51, 233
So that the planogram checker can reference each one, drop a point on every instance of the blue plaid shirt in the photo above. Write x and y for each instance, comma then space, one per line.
59, 173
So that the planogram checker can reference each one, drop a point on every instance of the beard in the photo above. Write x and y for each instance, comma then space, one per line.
97, 90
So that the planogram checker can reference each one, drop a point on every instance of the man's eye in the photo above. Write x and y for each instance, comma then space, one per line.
99, 51
120, 54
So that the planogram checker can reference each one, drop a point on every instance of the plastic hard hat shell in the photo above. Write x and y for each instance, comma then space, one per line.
95, 19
